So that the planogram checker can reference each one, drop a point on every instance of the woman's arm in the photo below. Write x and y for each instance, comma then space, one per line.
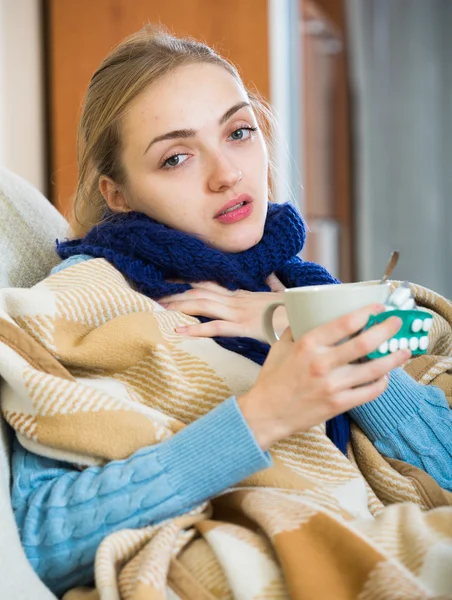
411, 422
63, 514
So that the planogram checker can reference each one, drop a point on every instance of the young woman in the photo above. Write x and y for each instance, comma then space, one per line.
174, 191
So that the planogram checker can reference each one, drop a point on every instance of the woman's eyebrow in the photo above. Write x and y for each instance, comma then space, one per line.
187, 133
171, 135
228, 114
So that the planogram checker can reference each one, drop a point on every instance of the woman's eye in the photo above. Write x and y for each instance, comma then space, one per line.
243, 133
174, 161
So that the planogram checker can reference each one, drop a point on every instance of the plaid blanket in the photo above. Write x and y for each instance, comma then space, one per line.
93, 370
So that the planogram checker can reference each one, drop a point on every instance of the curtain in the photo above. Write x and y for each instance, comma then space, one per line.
401, 81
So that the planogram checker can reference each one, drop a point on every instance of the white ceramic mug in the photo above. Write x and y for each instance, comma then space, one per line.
312, 306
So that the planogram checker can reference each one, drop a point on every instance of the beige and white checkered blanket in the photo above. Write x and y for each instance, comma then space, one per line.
94, 371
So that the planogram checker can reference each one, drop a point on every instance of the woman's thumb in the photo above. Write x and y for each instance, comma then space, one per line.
286, 336
274, 283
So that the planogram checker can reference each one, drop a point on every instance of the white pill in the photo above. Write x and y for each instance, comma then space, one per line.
383, 348
427, 324
414, 344
416, 325
393, 345
400, 296
403, 343
423, 342
408, 305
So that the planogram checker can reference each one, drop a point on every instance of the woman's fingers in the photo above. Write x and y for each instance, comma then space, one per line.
328, 361
203, 307
364, 343
274, 283
210, 329
339, 329
214, 287
286, 337
351, 398
352, 376
193, 294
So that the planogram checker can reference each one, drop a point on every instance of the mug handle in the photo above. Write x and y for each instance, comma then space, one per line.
267, 321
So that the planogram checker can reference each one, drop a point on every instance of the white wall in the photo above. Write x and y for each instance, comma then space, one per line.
286, 97
22, 90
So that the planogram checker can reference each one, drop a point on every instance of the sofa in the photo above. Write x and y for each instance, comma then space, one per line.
29, 225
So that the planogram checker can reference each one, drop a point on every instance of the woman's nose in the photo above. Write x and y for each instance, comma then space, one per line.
223, 175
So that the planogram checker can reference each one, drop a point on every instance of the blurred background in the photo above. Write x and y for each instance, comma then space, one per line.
362, 90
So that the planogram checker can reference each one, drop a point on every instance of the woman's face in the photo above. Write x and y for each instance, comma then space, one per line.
191, 151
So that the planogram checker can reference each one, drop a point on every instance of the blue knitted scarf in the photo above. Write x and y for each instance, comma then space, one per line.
149, 254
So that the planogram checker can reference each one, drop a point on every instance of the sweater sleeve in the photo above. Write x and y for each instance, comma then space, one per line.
411, 422
63, 514
69, 262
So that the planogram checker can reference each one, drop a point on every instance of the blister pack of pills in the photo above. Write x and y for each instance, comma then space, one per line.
416, 324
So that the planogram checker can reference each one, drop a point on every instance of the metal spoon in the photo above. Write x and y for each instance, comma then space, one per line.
393, 259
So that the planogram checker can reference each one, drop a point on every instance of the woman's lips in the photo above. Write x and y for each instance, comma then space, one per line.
238, 214
240, 199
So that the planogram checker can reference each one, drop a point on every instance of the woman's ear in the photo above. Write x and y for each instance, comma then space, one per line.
113, 196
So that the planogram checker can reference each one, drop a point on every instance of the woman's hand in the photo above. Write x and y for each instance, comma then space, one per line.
234, 314
307, 382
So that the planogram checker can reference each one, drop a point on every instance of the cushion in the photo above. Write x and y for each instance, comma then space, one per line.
29, 225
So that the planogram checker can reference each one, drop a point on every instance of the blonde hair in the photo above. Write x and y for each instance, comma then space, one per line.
140, 60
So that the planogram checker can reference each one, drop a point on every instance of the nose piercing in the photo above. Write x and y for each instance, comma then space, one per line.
240, 177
